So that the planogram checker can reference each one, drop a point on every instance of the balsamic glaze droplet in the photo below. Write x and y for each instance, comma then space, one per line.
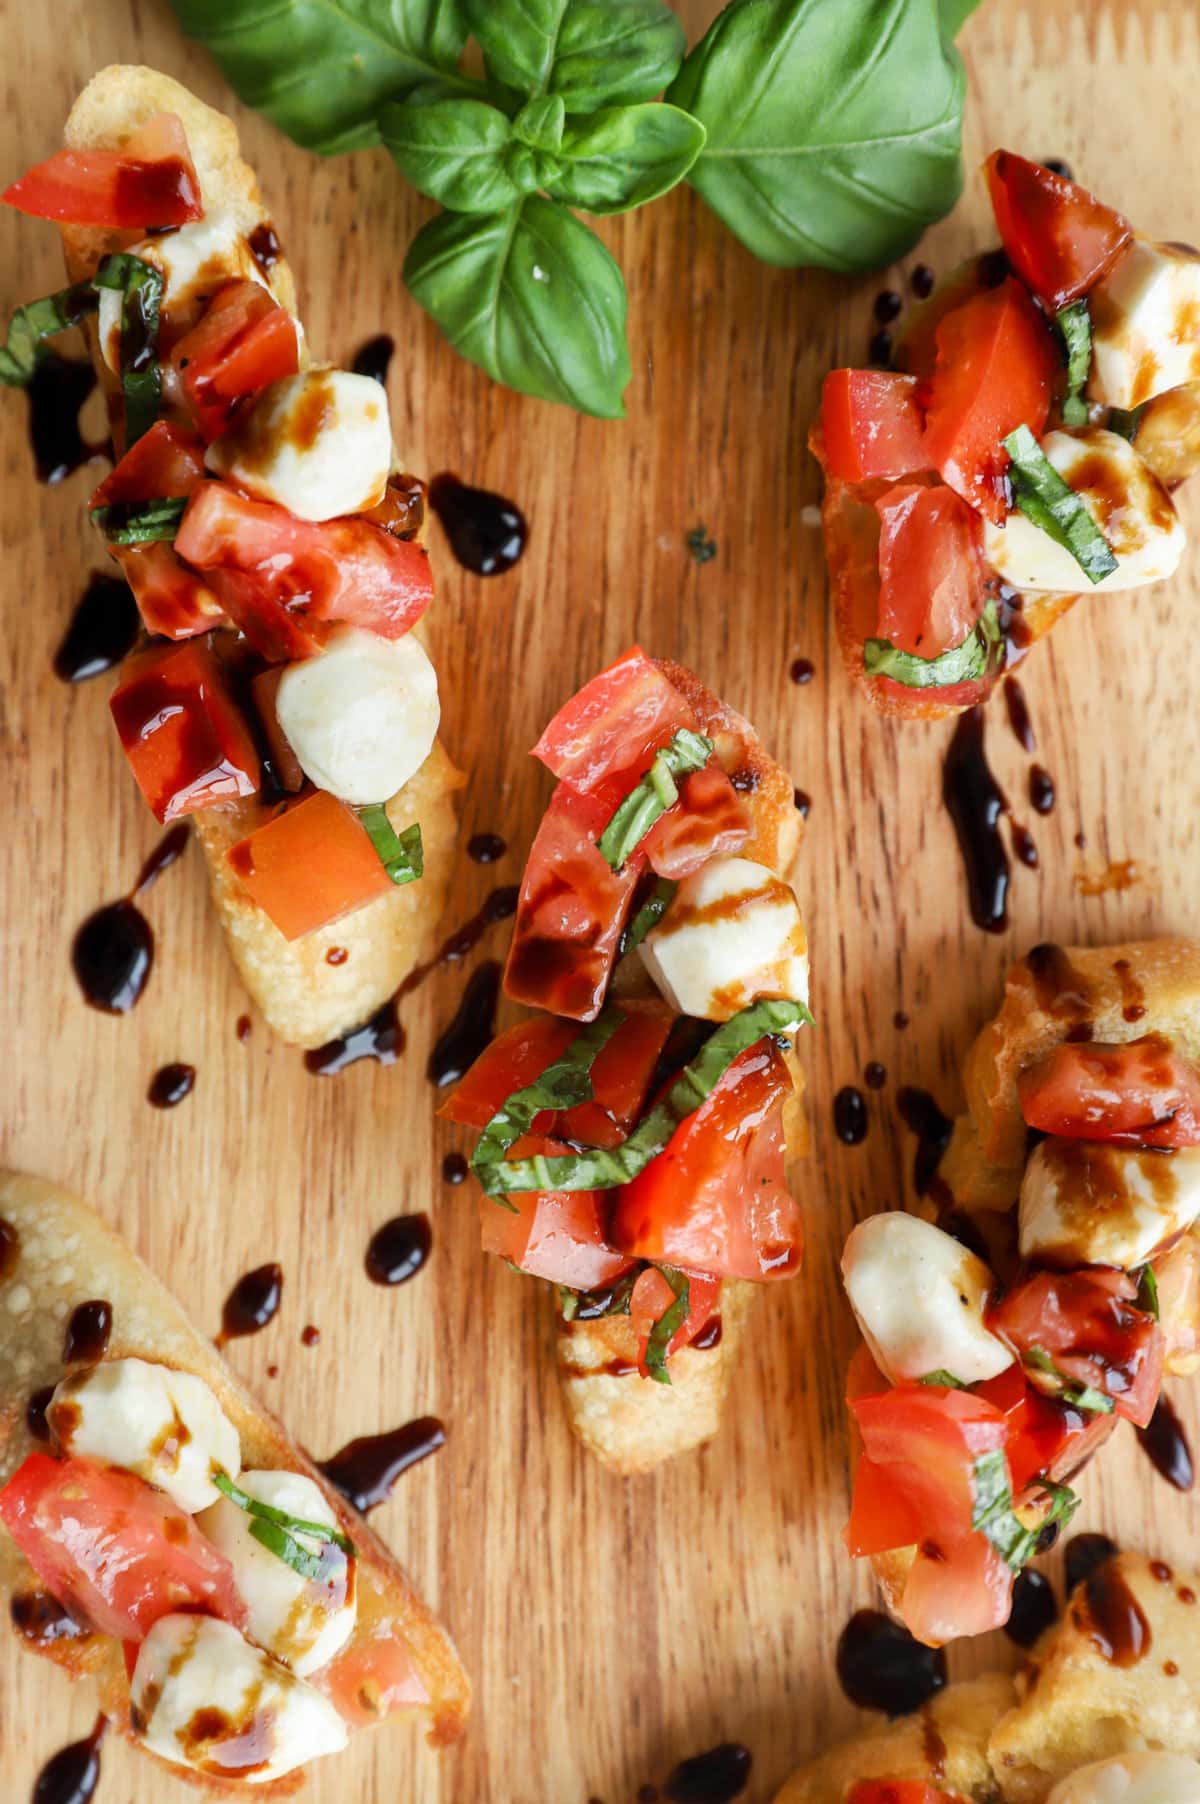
1085, 1554
265, 247
374, 358
715, 1777
1018, 715
888, 306
1024, 845
881, 1666
380, 1038
1034, 1608
170, 1085
35, 1413
399, 1249
900, 1020
89, 1329
1056, 166
41, 1619
310, 1335
103, 630
874, 1075
1165, 1442
975, 803
850, 1116
365, 1470
112, 954
454, 1169
1118, 1623
802, 802
802, 670
244, 1028
72, 1775
709, 1335
471, 1029
486, 848
10, 1249
252, 1302
921, 281
921, 1115
487, 533
59, 388
879, 351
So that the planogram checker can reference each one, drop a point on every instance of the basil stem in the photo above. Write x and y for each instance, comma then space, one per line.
1125, 421
648, 915
276, 1530
649, 800
141, 288
942, 1377
1079, 1396
602, 1168
667, 1325
1074, 325
401, 854
1147, 1292
140, 522
994, 1516
1053, 506
24, 347
973, 658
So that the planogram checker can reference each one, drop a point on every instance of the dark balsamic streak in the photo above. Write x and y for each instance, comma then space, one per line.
1165, 1444
59, 388
470, 1029
880, 1666
374, 358
920, 1113
103, 630
1034, 1608
72, 1775
365, 1470
252, 1303
975, 803
850, 1118
487, 532
1018, 715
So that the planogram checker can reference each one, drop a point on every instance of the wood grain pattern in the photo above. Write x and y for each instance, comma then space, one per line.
610, 1627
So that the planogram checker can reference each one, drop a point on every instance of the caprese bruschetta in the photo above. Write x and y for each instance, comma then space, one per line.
636, 1136
283, 699
1003, 1343
1044, 402
161, 1534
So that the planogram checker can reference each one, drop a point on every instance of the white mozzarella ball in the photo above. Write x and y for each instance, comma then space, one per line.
920, 1298
194, 261
201, 1696
166, 1426
1146, 1778
1145, 324
1127, 501
362, 716
303, 1622
1084, 1203
733, 933
319, 444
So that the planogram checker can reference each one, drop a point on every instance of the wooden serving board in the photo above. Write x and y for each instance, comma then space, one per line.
610, 1627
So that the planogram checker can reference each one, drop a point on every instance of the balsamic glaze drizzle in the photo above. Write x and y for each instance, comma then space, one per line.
715, 1777
365, 1470
975, 803
487, 532
470, 1029
882, 1667
1165, 1443
102, 631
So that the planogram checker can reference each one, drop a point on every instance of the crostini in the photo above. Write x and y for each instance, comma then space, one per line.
270, 537
1044, 402
1061, 1280
162, 1535
637, 1138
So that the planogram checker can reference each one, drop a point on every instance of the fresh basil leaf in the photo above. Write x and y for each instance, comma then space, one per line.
593, 53
540, 122
1147, 1291
531, 296
649, 799
565, 1082
459, 152
1125, 421
834, 126
141, 288
1079, 1396
33, 324
993, 1514
276, 1530
982, 649
1074, 324
1053, 506
625, 156
401, 854
648, 915
139, 522
320, 69
942, 1377
594, 1305
667, 1325
954, 14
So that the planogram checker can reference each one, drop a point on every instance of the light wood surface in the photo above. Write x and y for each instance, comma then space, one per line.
610, 1627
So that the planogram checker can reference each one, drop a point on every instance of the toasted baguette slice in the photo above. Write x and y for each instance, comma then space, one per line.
303, 998
65, 1254
629, 1422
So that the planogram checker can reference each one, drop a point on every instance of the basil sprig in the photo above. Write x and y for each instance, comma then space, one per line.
31, 326
668, 1324
980, 652
604, 1168
1053, 506
648, 915
993, 1514
1074, 325
141, 288
649, 800
401, 854
1079, 1396
275, 1530
140, 522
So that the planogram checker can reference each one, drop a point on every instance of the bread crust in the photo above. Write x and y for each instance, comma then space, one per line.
304, 999
66, 1254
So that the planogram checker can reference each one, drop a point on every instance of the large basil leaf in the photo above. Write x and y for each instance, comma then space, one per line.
320, 68
460, 152
532, 296
834, 126
624, 156
592, 52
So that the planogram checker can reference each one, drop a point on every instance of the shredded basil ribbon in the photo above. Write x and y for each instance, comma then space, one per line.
401, 854
994, 1516
276, 1530
603, 1168
943, 1378
1074, 325
1125, 421
982, 647
1147, 1292
31, 326
593, 1305
141, 288
140, 522
649, 800
667, 1325
648, 915
1079, 1396
1053, 506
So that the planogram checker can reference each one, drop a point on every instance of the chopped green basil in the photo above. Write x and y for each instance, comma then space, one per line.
1074, 325
995, 1517
942, 1377
982, 649
593, 1305
401, 854
649, 800
140, 522
141, 288
648, 915
1147, 1291
1125, 421
1053, 506
1079, 1396
276, 1530
667, 1325
31, 326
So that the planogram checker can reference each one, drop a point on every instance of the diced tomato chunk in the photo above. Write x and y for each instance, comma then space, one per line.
1045, 1437
653, 1296
151, 181
872, 424
242, 343
1140, 1093
116, 1551
1059, 238
709, 820
931, 590
997, 363
962, 1589
172, 600
899, 1791
1087, 1323
310, 865
373, 1677
554, 1234
881, 1517
166, 461
183, 733
926, 1438
614, 724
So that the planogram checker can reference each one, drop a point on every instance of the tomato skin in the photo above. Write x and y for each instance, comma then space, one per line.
881, 1516
614, 725
652, 1296
172, 600
182, 732
1059, 238
309, 865
996, 367
931, 588
242, 343
961, 1589
118, 1553
166, 461
1140, 1093
151, 181
927, 1438
1087, 1323
899, 1791
372, 1678
872, 425
709, 820
554, 1234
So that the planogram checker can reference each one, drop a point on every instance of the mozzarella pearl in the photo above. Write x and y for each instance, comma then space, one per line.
166, 1426
362, 716
201, 1696
1145, 324
194, 261
303, 1622
920, 1298
319, 444
1132, 1779
732, 934
1084, 1203
1127, 502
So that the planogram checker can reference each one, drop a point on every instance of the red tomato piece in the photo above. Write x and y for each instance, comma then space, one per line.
511, 1062
650, 1300
1059, 238
242, 343
373, 1677
166, 461
183, 733
872, 424
172, 600
309, 865
1087, 1323
329, 570
285, 766
116, 1551
151, 181
715, 1199
553, 1234
926, 1439
614, 725
931, 590
1140, 1093
1045, 1438
963, 1588
997, 363
899, 1791
881, 1516
709, 820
